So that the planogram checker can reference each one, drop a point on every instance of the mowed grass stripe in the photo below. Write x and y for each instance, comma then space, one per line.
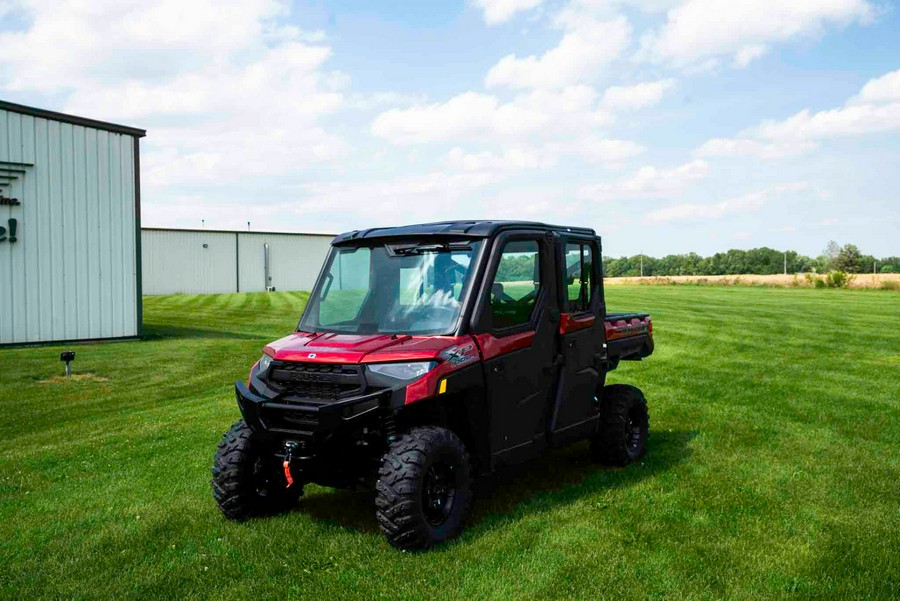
773, 468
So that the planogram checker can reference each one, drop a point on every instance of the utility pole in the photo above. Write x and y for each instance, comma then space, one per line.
642, 263
874, 267
785, 263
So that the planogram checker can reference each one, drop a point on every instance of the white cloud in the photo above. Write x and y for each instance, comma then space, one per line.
203, 77
875, 109
434, 195
587, 46
748, 54
604, 150
106, 40
463, 117
708, 212
511, 159
592, 149
647, 6
475, 116
636, 96
698, 30
500, 11
736, 147
648, 182
846, 121
531, 131
882, 89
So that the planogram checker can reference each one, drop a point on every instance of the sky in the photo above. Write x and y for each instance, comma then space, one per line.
669, 126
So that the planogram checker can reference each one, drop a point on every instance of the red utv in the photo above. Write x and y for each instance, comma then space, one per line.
428, 355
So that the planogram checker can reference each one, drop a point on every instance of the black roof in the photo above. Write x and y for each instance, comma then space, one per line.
64, 118
465, 229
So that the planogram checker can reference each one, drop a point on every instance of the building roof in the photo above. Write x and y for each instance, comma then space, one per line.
215, 231
467, 229
64, 118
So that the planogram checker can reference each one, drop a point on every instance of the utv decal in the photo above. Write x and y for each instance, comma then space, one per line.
460, 355
311, 356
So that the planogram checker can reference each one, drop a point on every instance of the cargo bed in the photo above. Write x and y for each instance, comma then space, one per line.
629, 336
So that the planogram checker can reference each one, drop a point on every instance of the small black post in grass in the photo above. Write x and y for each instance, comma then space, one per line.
68, 357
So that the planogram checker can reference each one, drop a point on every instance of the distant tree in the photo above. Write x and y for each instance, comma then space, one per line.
848, 259
829, 255
803, 265
867, 263
760, 261
889, 265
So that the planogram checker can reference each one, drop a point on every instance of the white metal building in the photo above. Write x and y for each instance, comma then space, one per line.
69, 227
177, 261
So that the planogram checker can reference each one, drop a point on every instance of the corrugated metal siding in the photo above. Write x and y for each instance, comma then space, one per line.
175, 262
72, 273
294, 260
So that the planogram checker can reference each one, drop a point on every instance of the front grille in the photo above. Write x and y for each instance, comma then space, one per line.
290, 422
316, 380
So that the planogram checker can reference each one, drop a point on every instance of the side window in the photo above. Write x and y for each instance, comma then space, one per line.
516, 285
578, 277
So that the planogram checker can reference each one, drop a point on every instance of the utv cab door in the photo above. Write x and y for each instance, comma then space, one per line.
581, 338
515, 326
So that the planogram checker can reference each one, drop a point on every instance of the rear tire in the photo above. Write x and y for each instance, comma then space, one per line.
423, 494
247, 478
621, 438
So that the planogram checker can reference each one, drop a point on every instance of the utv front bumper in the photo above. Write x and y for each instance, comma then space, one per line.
313, 421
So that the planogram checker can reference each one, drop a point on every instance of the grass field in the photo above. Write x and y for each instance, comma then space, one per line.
773, 468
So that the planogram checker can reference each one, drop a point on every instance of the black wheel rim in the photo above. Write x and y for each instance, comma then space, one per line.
634, 432
438, 493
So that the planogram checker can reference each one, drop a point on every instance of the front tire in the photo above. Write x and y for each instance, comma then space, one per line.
621, 437
246, 479
423, 493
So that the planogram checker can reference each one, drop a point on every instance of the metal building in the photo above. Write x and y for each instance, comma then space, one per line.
69, 227
177, 261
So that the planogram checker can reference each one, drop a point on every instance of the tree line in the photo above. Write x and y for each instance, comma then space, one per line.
758, 261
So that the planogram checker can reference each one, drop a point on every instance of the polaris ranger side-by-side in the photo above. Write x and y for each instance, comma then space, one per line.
426, 356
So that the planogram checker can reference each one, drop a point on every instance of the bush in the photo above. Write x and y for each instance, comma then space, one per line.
838, 279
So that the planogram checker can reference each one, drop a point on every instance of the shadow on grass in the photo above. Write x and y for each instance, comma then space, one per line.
557, 478
159, 332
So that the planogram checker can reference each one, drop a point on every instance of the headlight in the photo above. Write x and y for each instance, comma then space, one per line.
402, 371
264, 364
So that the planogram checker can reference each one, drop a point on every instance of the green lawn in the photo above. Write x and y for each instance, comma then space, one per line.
774, 468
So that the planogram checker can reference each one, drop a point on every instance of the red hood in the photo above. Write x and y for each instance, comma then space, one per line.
359, 348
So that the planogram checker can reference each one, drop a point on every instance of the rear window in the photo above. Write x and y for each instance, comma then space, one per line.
579, 267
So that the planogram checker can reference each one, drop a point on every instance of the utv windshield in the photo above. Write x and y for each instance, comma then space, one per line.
411, 288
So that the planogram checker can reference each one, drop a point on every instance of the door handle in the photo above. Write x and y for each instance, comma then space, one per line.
557, 361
